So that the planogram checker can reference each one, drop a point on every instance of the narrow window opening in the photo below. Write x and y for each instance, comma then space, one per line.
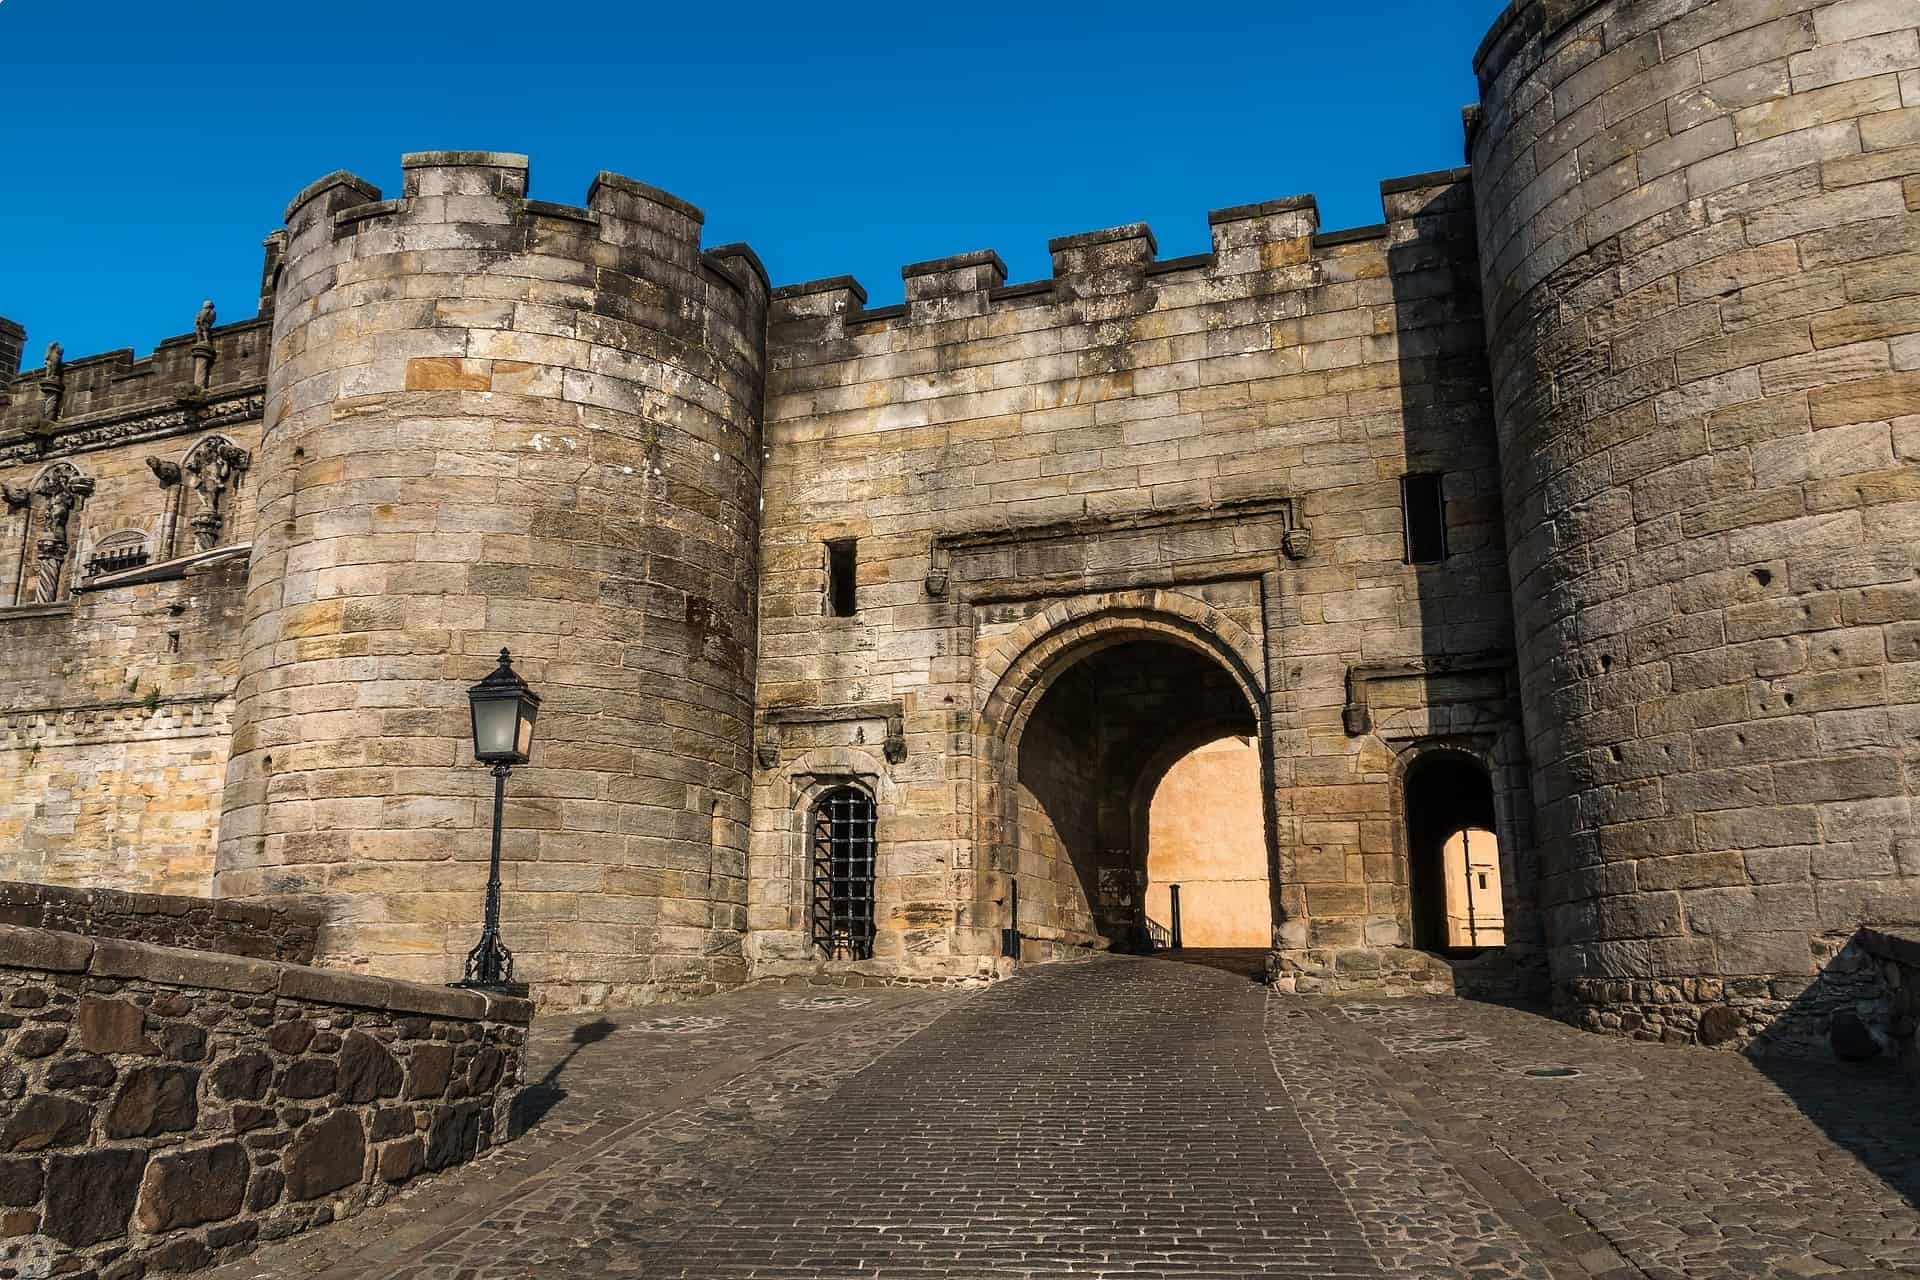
842, 561
1425, 511
843, 874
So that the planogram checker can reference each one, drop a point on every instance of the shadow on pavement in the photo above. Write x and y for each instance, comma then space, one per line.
1243, 962
541, 1097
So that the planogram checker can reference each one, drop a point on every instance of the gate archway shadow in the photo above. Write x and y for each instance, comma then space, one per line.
1242, 962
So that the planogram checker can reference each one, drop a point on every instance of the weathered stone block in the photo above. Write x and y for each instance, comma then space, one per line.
187, 1188
90, 1197
46, 1120
367, 1070
326, 1155
155, 1100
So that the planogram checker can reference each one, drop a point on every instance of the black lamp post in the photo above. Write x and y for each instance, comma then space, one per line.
503, 714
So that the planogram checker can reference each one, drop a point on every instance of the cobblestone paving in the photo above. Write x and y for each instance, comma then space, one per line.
1685, 1161
1123, 1117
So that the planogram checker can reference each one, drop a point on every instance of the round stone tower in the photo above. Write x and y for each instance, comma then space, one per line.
1706, 356
493, 421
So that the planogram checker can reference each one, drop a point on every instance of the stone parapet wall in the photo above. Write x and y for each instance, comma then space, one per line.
1698, 227
162, 1109
197, 924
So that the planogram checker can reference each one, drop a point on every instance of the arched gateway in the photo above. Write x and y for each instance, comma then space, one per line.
1086, 714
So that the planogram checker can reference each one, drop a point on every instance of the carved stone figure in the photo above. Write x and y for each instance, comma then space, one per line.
53, 382
203, 346
15, 498
63, 488
212, 465
167, 473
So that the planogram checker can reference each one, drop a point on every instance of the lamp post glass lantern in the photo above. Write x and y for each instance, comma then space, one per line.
504, 710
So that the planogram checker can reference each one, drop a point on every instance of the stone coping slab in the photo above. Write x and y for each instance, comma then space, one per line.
56, 951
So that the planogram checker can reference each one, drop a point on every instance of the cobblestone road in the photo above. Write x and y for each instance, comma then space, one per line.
1123, 1117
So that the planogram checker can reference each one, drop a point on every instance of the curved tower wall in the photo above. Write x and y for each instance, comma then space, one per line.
497, 422
1705, 338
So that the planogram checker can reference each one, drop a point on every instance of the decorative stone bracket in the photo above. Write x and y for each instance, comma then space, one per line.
767, 749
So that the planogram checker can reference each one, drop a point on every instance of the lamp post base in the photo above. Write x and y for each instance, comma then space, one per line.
517, 989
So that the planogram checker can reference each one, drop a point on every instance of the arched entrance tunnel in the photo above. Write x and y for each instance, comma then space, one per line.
1139, 768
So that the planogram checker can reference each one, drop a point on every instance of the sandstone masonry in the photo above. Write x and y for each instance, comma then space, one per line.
1588, 473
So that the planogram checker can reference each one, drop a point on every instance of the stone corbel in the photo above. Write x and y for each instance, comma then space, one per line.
1297, 543
939, 561
167, 473
15, 498
896, 745
767, 750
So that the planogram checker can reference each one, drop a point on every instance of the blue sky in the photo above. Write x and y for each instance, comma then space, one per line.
151, 145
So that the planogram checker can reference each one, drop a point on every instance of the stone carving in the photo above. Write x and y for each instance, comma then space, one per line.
63, 488
213, 464
203, 345
167, 473
896, 744
141, 424
1296, 543
53, 382
15, 498
767, 750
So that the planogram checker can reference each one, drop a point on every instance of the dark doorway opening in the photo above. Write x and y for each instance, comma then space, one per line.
1453, 856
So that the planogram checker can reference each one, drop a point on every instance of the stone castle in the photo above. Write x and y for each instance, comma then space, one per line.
1576, 503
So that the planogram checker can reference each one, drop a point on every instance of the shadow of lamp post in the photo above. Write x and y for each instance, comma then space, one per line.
503, 714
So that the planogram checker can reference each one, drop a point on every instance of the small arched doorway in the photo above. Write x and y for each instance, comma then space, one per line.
1455, 889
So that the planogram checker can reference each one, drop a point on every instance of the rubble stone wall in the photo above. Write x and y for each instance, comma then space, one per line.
1698, 226
197, 924
163, 1109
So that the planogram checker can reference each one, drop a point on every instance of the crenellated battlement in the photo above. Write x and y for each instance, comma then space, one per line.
1278, 241
625, 224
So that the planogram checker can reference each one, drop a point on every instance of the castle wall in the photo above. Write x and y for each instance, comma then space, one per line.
1698, 226
116, 695
493, 421
1132, 440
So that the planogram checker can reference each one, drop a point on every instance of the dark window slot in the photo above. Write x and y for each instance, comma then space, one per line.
1425, 510
842, 563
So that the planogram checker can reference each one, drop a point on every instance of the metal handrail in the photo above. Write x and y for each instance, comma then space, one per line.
1159, 937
